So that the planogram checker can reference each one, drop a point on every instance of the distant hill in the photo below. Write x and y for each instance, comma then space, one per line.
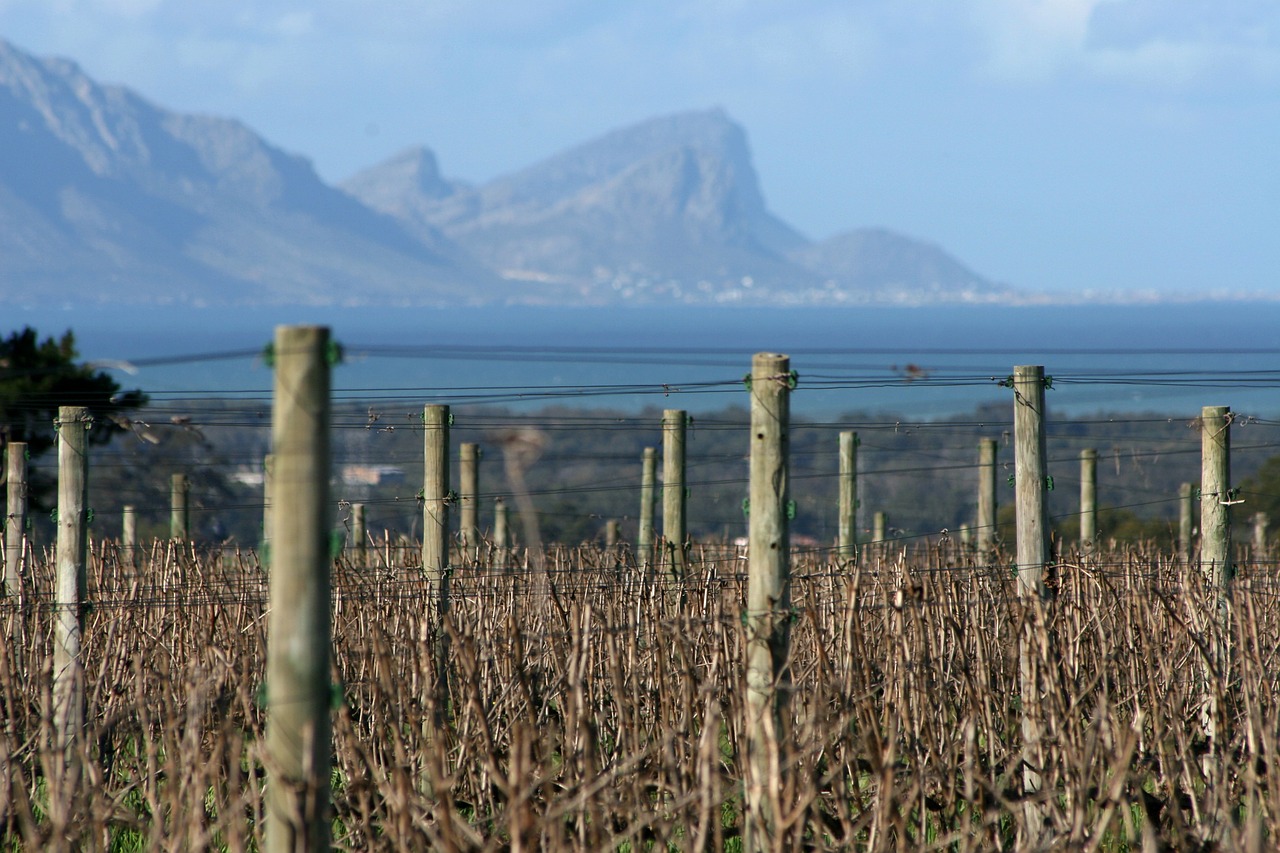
104, 196
107, 197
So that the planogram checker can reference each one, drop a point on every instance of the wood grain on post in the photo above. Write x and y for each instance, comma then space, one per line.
768, 615
847, 542
179, 515
1032, 525
468, 495
299, 696
674, 524
15, 523
1215, 494
644, 536
71, 575
1088, 500
435, 508
986, 521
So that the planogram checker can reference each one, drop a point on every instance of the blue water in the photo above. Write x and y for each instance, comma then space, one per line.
916, 362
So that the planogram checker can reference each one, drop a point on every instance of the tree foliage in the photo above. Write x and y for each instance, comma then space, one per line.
36, 377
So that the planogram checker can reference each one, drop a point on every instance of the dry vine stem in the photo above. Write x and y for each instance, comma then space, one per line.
586, 716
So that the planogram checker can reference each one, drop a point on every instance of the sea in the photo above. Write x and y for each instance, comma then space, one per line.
918, 363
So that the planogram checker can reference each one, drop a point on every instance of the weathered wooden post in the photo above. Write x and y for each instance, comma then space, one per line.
179, 516
1032, 525
1215, 495
1088, 500
468, 495
1261, 521
1186, 522
299, 695
644, 536
268, 472
674, 525
359, 536
71, 578
15, 522
1216, 498
129, 537
611, 534
986, 521
847, 544
880, 527
435, 508
500, 543
768, 615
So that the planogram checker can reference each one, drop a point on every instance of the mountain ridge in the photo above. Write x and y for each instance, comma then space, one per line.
109, 197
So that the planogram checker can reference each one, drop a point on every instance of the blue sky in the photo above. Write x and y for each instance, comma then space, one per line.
1061, 145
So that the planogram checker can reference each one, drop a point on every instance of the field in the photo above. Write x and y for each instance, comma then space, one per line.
592, 706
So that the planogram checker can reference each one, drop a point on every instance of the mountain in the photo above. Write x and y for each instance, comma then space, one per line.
900, 269
670, 208
106, 197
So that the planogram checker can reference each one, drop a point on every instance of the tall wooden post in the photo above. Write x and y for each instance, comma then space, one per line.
129, 537
1032, 524
299, 695
986, 520
435, 509
1186, 522
179, 515
768, 615
1215, 495
611, 534
71, 577
1088, 500
880, 527
847, 544
15, 523
359, 537
500, 536
674, 525
468, 494
268, 473
1261, 521
644, 536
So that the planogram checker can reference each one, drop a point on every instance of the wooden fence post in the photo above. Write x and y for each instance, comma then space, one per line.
468, 495
674, 524
847, 544
986, 521
1186, 522
359, 537
129, 537
500, 543
179, 516
15, 523
1261, 521
611, 534
435, 508
880, 527
1088, 500
268, 473
71, 576
299, 695
768, 615
644, 536
1215, 495
1032, 523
